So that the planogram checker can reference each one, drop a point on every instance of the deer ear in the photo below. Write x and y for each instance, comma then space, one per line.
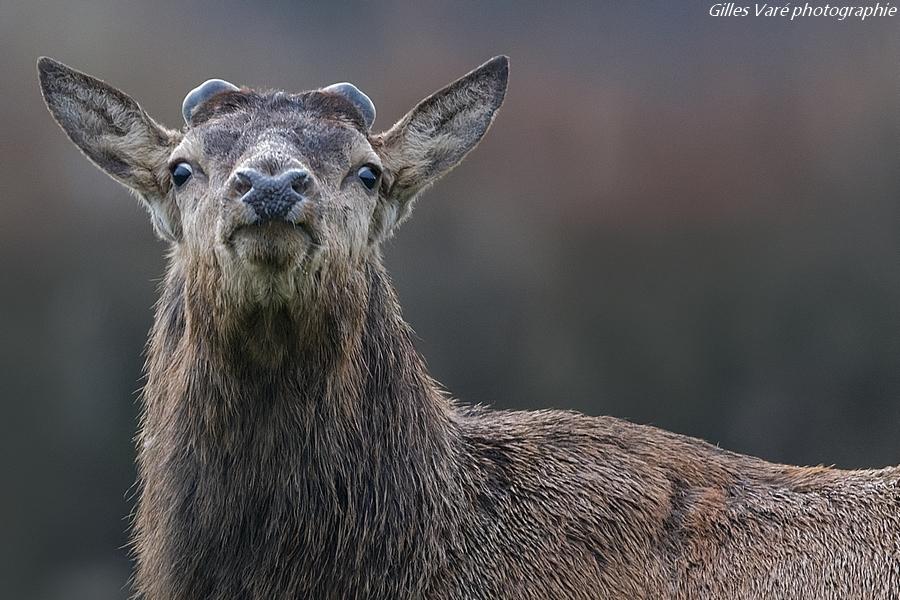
117, 136
434, 137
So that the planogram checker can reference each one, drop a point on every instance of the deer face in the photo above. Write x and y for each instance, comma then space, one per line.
277, 185
271, 190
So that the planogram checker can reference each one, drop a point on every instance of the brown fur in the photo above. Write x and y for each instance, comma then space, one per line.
293, 445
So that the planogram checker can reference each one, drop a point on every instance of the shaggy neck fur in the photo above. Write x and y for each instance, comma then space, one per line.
284, 449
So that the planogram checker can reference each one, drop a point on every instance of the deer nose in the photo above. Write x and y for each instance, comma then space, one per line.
271, 196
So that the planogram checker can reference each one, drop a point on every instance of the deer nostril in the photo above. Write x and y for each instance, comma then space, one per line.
242, 183
298, 179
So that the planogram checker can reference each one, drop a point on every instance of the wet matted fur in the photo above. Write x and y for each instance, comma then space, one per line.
293, 445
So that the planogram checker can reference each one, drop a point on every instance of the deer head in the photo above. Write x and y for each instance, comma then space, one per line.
274, 195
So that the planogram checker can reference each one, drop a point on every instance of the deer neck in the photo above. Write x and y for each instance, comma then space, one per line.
341, 436
346, 359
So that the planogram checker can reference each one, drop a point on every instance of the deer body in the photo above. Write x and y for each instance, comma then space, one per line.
293, 445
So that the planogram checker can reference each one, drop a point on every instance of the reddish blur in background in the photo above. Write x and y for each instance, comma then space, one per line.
678, 219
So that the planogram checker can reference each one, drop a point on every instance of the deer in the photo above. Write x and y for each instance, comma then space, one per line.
292, 443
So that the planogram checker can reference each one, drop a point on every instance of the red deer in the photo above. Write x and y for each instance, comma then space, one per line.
293, 445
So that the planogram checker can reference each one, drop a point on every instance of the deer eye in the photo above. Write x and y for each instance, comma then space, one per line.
181, 173
369, 175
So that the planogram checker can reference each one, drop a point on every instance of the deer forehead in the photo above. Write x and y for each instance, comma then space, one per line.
321, 142
324, 126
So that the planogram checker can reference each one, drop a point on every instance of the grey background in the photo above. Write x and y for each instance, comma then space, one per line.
681, 220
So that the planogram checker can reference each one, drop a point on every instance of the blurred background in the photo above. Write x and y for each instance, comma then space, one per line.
682, 220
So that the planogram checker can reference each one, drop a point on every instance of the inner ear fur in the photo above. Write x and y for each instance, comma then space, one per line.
435, 136
115, 133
